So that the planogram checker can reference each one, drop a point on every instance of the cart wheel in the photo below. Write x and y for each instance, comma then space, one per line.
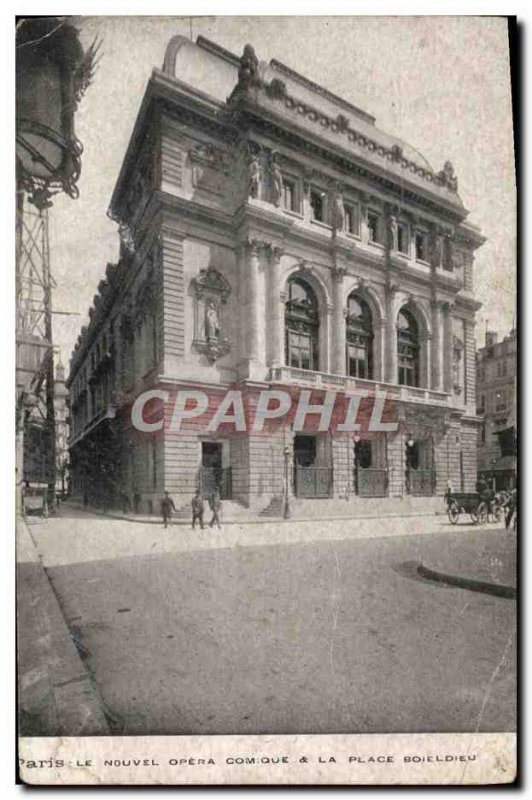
482, 513
474, 517
453, 513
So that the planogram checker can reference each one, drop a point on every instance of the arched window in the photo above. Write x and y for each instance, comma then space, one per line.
301, 326
407, 348
359, 338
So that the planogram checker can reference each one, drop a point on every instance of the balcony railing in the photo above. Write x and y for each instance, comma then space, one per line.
324, 380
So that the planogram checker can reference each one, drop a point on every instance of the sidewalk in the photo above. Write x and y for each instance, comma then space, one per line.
317, 511
494, 573
55, 693
76, 536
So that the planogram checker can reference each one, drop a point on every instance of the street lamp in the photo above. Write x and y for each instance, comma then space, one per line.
286, 509
356, 440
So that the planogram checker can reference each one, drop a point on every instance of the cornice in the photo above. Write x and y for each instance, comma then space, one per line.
346, 160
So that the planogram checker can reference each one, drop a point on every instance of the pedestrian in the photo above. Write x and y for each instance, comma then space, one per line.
167, 504
216, 508
198, 509
511, 510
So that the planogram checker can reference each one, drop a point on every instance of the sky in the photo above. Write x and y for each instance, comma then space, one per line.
440, 83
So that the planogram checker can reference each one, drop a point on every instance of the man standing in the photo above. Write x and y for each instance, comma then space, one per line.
216, 507
167, 504
197, 509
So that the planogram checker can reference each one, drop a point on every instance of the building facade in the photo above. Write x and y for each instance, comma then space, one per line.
497, 406
273, 236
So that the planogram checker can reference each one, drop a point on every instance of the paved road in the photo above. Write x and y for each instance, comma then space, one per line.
333, 636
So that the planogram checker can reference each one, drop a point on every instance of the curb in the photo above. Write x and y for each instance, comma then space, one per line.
56, 695
496, 589
259, 521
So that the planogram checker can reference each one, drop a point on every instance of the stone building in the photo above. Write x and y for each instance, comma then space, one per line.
497, 406
61, 429
273, 235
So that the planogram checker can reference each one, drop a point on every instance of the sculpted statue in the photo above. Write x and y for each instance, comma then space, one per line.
248, 72
337, 210
437, 250
253, 176
276, 178
448, 178
448, 253
391, 232
212, 322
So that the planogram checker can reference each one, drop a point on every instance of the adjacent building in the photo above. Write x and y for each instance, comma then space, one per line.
497, 406
273, 236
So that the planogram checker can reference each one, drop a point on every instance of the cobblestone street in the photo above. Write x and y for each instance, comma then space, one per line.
334, 635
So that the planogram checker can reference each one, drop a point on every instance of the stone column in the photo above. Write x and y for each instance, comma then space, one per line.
437, 347
447, 347
252, 311
391, 335
275, 316
379, 349
338, 337
425, 361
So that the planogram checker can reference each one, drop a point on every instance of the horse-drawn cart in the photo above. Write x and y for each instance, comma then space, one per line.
479, 510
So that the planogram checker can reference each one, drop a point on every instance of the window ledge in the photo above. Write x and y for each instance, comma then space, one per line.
321, 224
296, 214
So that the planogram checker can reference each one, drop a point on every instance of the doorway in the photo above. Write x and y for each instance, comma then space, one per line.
310, 479
214, 477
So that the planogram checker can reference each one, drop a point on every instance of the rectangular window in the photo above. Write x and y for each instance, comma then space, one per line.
289, 195
403, 240
317, 205
357, 361
421, 241
299, 350
352, 222
373, 227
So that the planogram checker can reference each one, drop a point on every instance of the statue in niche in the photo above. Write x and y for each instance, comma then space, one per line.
457, 358
212, 322
253, 176
338, 211
276, 178
248, 71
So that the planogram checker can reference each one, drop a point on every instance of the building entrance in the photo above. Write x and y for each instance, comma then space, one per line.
214, 477
312, 475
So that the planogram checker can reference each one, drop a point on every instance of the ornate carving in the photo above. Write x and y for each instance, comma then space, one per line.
447, 177
448, 252
276, 89
211, 293
248, 71
337, 209
211, 281
253, 176
209, 155
458, 347
276, 179
391, 232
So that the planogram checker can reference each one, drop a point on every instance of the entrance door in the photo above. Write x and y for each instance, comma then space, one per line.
310, 480
213, 476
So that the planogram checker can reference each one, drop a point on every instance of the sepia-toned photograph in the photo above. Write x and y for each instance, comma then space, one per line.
266, 400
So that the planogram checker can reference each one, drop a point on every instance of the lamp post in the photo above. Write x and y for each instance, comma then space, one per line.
409, 445
286, 509
357, 443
